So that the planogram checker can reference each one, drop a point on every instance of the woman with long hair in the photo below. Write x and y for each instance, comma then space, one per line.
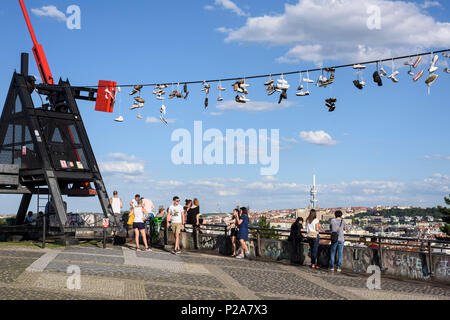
233, 222
312, 229
243, 233
193, 218
140, 214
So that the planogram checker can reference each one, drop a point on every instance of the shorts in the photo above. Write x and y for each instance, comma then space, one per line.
176, 228
234, 232
139, 225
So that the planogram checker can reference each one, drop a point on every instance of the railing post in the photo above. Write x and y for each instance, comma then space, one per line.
104, 238
166, 241
258, 243
43, 231
380, 253
430, 258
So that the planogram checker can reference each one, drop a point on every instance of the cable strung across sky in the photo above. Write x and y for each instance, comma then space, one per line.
279, 74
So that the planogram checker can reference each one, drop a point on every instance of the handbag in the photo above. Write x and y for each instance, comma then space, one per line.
131, 218
335, 235
312, 234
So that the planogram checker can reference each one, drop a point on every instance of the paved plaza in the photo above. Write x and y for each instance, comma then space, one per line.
124, 274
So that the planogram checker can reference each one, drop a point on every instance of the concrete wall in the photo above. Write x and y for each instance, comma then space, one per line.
402, 264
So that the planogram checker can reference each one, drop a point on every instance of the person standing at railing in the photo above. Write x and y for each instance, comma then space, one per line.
243, 233
176, 217
193, 216
312, 229
337, 228
233, 222
296, 239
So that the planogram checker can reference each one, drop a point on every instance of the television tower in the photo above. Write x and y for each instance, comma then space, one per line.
313, 193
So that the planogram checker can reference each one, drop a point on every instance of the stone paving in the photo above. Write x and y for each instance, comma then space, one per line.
120, 273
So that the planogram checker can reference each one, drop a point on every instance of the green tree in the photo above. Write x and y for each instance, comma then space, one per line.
268, 232
445, 216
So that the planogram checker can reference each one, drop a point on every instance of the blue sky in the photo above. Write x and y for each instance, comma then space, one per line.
389, 145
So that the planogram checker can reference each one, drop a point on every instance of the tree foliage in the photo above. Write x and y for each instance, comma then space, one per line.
445, 216
268, 232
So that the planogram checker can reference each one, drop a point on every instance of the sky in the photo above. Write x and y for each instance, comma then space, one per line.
384, 145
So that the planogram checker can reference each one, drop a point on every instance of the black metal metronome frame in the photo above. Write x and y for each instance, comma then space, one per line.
46, 150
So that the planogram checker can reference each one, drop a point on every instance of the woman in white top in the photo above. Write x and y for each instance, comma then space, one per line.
140, 214
312, 229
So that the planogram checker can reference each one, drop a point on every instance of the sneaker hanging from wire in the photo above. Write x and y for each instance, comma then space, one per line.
119, 119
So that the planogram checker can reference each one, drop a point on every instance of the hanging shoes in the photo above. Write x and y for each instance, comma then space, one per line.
331, 104
447, 70
220, 88
139, 99
134, 106
418, 75
359, 84
383, 73
446, 55
377, 78
270, 89
269, 82
283, 96
119, 119
139, 116
137, 88
393, 76
163, 120
431, 79
219, 99
417, 62
206, 102
359, 67
433, 67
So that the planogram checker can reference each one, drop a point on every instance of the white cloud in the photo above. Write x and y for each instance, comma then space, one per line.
156, 120
428, 4
253, 106
289, 140
224, 30
122, 167
230, 5
436, 157
50, 11
215, 114
319, 30
122, 156
269, 178
208, 7
317, 137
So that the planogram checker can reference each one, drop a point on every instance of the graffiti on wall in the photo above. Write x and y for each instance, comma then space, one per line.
412, 266
442, 268
274, 250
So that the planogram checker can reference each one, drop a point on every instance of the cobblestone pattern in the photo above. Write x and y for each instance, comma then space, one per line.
11, 268
90, 258
389, 285
110, 251
20, 254
187, 258
8, 293
279, 282
157, 292
134, 273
